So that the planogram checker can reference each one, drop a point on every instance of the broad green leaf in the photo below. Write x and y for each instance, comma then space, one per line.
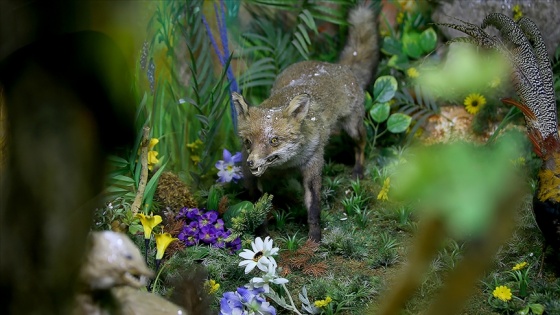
398, 122
411, 45
384, 89
391, 46
380, 112
428, 40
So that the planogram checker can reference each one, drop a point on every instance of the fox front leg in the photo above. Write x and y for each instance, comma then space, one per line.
312, 185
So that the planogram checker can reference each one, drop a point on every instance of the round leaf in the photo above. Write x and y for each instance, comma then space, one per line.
398, 122
428, 40
384, 88
391, 46
380, 112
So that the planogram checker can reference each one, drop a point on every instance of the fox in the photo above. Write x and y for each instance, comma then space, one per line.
309, 101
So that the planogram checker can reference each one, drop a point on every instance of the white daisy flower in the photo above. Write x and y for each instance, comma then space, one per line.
260, 256
269, 277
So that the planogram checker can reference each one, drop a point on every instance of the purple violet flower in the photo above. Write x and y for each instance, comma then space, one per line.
219, 225
220, 241
208, 218
192, 228
207, 234
193, 214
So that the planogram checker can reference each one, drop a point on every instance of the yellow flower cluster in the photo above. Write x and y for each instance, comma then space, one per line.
520, 266
502, 292
212, 286
193, 147
323, 303
412, 73
384, 193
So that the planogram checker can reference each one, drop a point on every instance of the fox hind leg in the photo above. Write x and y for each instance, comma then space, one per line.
354, 127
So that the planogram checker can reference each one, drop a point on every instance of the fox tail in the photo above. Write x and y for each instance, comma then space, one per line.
361, 52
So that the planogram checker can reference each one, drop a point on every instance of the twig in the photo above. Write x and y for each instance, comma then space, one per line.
144, 170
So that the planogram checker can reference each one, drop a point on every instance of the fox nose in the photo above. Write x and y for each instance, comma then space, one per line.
250, 163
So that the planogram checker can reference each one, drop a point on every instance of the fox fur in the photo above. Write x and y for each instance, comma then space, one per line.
308, 102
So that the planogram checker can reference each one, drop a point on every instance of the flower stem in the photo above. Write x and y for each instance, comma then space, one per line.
291, 300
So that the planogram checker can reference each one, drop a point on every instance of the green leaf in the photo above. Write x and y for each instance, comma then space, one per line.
398, 122
235, 210
428, 40
384, 89
133, 229
124, 179
391, 46
399, 62
214, 196
537, 308
380, 112
411, 45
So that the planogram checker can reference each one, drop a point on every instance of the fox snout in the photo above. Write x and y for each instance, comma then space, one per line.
259, 166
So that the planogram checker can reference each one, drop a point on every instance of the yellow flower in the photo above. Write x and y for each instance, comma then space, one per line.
503, 293
153, 143
384, 193
148, 223
162, 241
194, 145
517, 14
495, 82
412, 73
473, 102
195, 159
212, 286
323, 303
152, 155
152, 159
519, 266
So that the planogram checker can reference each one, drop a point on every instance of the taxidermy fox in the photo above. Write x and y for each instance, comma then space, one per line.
309, 100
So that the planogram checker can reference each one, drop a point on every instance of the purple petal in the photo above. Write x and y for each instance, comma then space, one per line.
237, 158
227, 156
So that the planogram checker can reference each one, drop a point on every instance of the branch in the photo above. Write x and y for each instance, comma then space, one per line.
144, 171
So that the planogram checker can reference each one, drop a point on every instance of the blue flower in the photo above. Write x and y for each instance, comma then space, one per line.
227, 171
245, 301
231, 304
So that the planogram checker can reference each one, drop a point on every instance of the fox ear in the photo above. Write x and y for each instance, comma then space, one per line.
240, 105
298, 107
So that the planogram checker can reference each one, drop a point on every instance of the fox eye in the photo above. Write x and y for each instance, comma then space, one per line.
247, 143
274, 141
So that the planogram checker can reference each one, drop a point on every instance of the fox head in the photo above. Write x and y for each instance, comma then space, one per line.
271, 136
